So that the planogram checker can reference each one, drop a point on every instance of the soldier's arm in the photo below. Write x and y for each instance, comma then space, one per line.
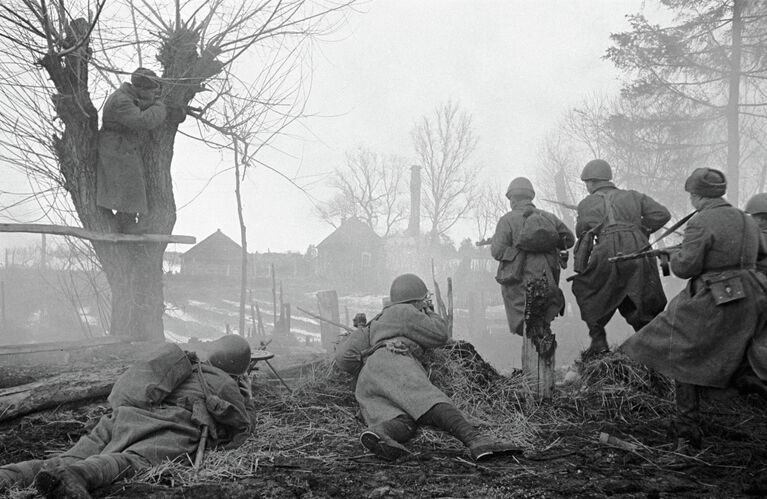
426, 328
502, 239
688, 261
349, 354
130, 115
654, 214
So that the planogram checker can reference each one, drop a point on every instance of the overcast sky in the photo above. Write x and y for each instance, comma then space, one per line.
516, 66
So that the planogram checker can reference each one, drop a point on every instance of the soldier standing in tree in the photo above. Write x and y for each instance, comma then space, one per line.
520, 263
621, 220
132, 109
714, 332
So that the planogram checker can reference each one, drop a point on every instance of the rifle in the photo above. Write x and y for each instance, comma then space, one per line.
560, 203
662, 254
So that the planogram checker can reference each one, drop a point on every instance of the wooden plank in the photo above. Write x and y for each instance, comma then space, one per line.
327, 302
109, 237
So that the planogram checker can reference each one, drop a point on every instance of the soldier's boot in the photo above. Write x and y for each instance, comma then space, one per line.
448, 418
598, 344
686, 428
73, 481
61, 482
19, 474
385, 439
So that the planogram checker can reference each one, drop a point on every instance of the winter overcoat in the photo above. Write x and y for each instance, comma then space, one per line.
158, 407
170, 428
526, 265
120, 178
392, 384
695, 340
603, 286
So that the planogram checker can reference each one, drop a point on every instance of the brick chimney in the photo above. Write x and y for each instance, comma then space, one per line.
414, 224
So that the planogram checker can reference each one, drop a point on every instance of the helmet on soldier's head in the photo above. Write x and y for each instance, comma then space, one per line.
144, 78
757, 204
407, 287
230, 353
522, 187
597, 169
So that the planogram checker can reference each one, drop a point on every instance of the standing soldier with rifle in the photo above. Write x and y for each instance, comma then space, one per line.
610, 222
714, 332
526, 243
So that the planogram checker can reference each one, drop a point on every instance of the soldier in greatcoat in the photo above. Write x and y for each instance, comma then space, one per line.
131, 111
160, 407
393, 389
622, 220
757, 208
716, 325
526, 265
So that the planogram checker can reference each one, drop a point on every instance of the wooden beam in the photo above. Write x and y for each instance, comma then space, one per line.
109, 237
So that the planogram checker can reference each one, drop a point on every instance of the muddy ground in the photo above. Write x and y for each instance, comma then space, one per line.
565, 460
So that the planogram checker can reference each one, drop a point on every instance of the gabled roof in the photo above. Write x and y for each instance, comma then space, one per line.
350, 233
217, 246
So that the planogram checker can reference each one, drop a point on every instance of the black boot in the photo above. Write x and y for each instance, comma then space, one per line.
598, 343
384, 439
686, 426
61, 482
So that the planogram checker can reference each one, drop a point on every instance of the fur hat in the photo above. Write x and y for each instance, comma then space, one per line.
706, 182
144, 78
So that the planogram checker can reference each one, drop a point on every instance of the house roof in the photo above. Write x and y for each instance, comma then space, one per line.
352, 232
216, 247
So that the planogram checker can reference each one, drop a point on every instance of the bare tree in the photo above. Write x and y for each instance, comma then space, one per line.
55, 55
369, 187
489, 206
444, 143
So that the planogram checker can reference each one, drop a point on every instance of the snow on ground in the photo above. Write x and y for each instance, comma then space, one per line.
177, 313
176, 338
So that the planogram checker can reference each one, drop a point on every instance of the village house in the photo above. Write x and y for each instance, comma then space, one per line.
353, 253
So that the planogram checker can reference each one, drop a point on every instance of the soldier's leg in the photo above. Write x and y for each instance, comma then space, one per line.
630, 312
598, 337
19, 474
448, 418
686, 425
385, 439
76, 480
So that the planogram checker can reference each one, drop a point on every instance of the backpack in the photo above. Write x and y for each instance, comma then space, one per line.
538, 234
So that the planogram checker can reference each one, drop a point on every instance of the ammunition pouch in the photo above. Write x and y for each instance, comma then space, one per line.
725, 287
582, 251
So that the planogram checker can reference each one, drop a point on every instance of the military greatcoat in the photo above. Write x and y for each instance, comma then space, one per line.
158, 407
696, 341
120, 178
526, 265
391, 384
603, 287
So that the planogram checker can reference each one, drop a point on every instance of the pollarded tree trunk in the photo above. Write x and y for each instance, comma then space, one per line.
133, 270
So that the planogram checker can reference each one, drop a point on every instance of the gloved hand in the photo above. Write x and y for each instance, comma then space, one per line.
176, 114
397, 346
192, 356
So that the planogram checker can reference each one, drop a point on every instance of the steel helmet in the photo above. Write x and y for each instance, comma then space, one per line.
597, 169
520, 186
407, 287
757, 204
230, 353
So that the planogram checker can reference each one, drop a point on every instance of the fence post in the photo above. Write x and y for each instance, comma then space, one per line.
327, 301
